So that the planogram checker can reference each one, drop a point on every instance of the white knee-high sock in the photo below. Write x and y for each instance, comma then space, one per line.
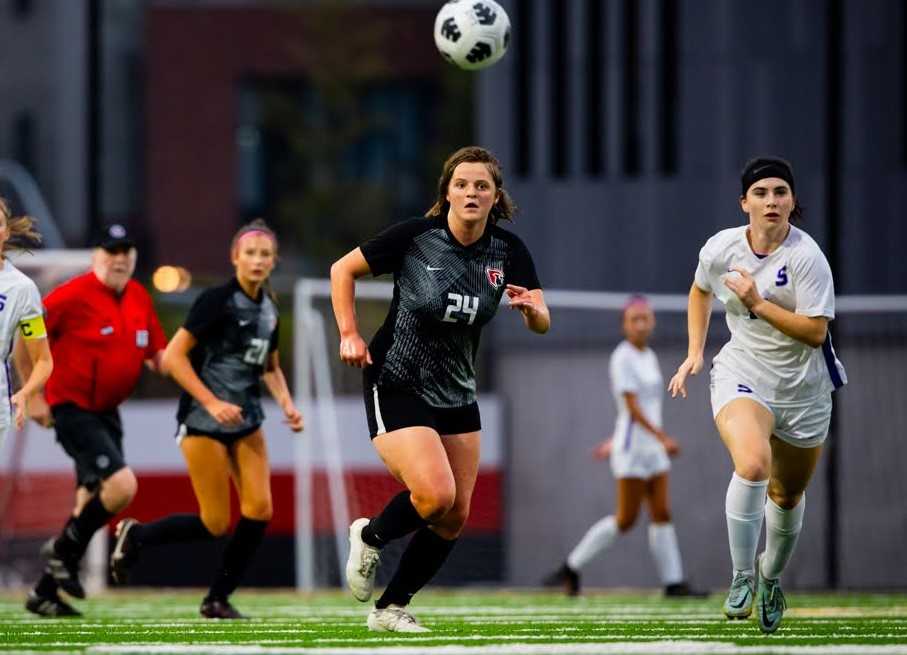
663, 544
744, 507
782, 528
597, 538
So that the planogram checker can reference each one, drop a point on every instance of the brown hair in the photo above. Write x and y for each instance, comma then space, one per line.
20, 228
257, 225
503, 208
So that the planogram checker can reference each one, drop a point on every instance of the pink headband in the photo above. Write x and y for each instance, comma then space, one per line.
634, 301
254, 233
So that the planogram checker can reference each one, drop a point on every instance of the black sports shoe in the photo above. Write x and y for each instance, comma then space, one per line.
219, 608
683, 590
64, 570
564, 577
51, 606
125, 551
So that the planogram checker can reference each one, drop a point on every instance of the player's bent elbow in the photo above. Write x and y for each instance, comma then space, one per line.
818, 336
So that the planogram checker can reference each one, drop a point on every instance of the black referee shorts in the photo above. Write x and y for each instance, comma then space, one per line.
391, 409
93, 439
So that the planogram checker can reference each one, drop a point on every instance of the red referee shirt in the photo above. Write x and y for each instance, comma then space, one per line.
99, 341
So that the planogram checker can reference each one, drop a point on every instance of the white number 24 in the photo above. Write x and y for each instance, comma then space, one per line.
460, 304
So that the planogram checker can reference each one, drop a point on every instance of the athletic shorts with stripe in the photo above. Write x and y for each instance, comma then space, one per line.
392, 409
803, 424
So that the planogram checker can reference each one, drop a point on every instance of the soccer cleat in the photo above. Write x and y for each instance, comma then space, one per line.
362, 563
564, 577
63, 569
739, 603
219, 608
771, 603
125, 551
683, 590
49, 606
393, 618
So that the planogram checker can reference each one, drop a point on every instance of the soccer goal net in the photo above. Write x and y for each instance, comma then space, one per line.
546, 402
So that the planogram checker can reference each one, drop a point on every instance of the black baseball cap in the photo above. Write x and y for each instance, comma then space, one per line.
114, 236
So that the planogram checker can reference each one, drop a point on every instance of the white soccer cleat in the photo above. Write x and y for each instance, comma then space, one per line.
362, 563
393, 618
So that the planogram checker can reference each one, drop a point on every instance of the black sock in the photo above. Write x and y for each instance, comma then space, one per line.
173, 529
397, 519
73, 541
47, 586
237, 555
422, 558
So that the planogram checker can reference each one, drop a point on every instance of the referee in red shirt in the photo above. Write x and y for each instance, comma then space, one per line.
102, 329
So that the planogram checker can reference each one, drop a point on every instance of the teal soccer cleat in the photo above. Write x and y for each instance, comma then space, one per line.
739, 603
771, 605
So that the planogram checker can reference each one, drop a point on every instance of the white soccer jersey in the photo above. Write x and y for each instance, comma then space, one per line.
795, 276
635, 371
20, 309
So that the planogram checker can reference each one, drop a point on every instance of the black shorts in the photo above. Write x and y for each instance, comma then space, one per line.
226, 438
390, 409
93, 439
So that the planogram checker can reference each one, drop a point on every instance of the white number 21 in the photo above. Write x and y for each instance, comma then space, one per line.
256, 352
462, 305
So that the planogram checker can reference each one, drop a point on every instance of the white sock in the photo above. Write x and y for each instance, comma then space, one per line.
597, 538
663, 544
744, 507
782, 528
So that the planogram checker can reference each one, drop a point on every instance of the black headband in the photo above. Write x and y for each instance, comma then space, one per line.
763, 167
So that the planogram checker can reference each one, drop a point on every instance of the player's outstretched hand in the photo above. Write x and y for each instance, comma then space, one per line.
603, 450
678, 384
521, 299
20, 407
293, 417
226, 414
354, 351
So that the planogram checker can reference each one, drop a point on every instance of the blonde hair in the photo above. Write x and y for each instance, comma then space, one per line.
20, 228
503, 208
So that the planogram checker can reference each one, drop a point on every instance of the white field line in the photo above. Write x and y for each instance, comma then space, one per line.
614, 648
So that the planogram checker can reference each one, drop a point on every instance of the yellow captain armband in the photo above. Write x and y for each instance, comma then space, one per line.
33, 328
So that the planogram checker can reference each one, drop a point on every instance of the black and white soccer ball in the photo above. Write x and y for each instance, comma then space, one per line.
472, 34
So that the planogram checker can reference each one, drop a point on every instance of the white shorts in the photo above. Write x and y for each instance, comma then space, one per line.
803, 424
644, 458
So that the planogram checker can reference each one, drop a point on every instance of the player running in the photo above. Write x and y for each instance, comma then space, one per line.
771, 384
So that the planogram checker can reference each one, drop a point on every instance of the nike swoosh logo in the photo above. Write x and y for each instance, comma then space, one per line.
434, 268
244, 323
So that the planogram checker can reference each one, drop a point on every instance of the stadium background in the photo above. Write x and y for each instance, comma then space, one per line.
622, 125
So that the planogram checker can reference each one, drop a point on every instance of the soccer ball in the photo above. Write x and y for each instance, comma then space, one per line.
472, 34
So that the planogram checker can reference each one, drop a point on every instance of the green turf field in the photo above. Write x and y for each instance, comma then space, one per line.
462, 622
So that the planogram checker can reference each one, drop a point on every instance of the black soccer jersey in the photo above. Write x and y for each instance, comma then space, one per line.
235, 335
444, 293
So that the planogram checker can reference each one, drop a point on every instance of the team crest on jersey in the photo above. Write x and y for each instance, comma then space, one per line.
495, 276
